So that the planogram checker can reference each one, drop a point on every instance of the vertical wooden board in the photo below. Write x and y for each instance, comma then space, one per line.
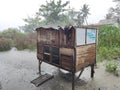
67, 62
67, 51
85, 55
40, 56
48, 36
62, 38
39, 48
86, 49
64, 42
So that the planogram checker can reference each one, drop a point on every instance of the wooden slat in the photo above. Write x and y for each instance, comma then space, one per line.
66, 51
86, 49
41, 79
46, 36
67, 62
85, 55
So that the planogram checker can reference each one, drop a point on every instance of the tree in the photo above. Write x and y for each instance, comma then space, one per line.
72, 16
85, 12
31, 24
79, 17
52, 11
56, 13
114, 12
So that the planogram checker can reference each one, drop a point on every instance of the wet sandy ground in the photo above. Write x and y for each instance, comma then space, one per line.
19, 68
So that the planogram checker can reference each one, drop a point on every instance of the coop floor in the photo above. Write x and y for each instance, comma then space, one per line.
19, 68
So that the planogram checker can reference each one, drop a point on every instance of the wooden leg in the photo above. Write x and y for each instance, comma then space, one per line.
80, 73
73, 80
92, 71
40, 62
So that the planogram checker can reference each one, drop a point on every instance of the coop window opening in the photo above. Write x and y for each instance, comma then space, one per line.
55, 60
46, 49
46, 56
85, 36
91, 36
55, 51
55, 55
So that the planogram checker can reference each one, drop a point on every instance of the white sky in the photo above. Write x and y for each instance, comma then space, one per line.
13, 11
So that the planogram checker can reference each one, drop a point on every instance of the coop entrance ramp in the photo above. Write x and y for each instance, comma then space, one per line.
41, 79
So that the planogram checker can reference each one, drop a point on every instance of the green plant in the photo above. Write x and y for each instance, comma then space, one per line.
15, 38
109, 36
5, 44
108, 42
112, 67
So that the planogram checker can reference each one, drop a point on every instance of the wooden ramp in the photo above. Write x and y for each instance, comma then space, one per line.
42, 79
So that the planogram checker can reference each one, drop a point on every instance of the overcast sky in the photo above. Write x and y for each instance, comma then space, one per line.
12, 12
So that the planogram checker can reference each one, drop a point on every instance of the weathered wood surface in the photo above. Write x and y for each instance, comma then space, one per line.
41, 79
64, 42
67, 62
50, 37
67, 51
85, 55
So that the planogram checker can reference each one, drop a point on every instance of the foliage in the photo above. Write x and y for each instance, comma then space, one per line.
5, 44
109, 36
109, 42
108, 53
109, 47
112, 67
24, 41
31, 24
14, 38
79, 17
85, 12
52, 11
114, 12
56, 13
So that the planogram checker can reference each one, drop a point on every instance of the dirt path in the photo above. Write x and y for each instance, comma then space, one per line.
18, 68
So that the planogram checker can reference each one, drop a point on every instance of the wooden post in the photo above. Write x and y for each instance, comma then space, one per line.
73, 80
39, 67
92, 71
73, 69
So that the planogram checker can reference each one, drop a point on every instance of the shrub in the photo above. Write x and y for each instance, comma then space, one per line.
109, 36
108, 42
25, 41
15, 38
5, 44
108, 53
112, 67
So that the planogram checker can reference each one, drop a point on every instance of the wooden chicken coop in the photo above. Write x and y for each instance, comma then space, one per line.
70, 48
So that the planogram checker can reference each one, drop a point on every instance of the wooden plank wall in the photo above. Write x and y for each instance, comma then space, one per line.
85, 55
50, 37
63, 39
66, 55
46, 36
